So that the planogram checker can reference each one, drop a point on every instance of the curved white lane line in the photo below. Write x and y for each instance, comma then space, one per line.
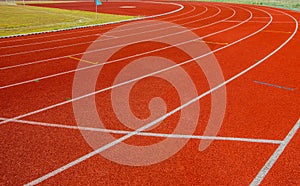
89, 35
136, 55
109, 23
105, 147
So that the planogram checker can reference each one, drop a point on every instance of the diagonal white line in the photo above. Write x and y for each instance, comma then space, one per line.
273, 85
149, 134
272, 160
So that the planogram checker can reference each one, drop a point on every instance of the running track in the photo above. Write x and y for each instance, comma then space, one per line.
257, 50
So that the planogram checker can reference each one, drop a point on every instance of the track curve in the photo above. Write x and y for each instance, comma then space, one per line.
255, 49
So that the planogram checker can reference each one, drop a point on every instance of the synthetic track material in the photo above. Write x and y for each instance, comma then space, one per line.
259, 137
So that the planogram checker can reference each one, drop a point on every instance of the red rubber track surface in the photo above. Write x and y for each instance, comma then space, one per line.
253, 110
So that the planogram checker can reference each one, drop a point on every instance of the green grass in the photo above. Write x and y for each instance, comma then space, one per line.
27, 19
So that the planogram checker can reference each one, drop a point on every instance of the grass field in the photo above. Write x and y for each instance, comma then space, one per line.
27, 19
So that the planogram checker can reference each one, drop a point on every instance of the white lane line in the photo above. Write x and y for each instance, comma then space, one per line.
136, 79
109, 145
273, 85
113, 61
149, 134
90, 35
127, 7
272, 160
95, 34
87, 42
258, 17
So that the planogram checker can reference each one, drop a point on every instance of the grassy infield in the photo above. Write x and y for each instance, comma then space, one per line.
26, 19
